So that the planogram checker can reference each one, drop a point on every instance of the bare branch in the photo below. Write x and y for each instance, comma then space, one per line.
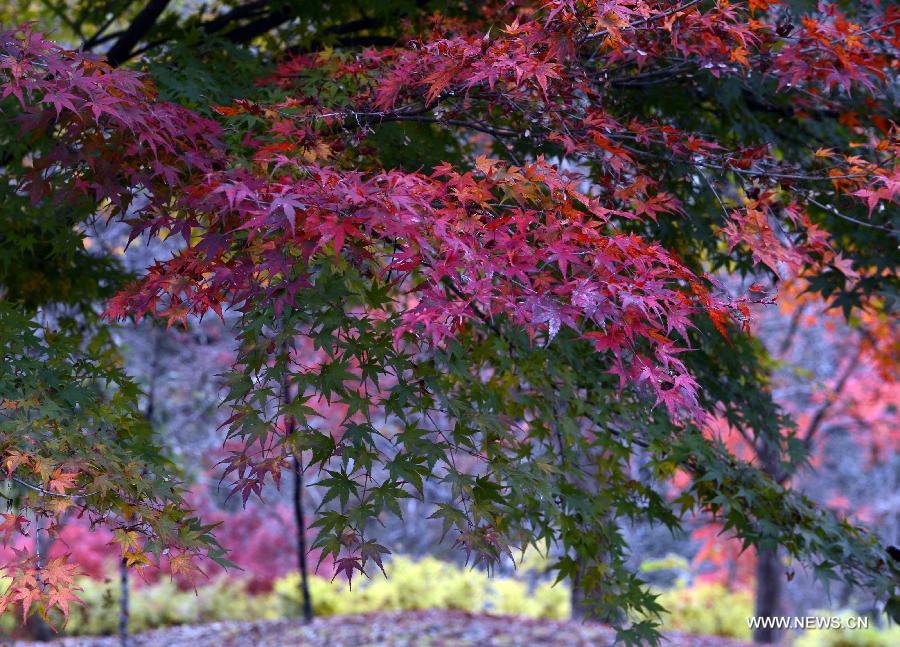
139, 27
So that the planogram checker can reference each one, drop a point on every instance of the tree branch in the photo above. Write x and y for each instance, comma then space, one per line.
816, 422
246, 33
250, 10
792, 329
41, 490
139, 27
100, 36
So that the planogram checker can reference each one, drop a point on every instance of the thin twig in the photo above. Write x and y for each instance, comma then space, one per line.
41, 490
643, 21
837, 213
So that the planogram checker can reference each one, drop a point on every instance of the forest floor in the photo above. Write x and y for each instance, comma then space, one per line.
396, 629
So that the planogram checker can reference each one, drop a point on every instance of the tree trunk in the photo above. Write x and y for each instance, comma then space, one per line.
769, 570
577, 598
299, 517
124, 604
585, 602
301, 540
768, 594
38, 629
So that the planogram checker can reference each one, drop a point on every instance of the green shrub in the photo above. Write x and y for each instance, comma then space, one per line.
100, 611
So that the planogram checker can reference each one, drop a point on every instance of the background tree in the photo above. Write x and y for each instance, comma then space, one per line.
839, 384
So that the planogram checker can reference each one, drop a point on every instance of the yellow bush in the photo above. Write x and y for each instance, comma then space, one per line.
326, 595
162, 604
554, 600
510, 597
427, 583
707, 609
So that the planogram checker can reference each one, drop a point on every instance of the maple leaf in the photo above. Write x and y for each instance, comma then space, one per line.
60, 597
136, 557
184, 564
129, 540
739, 55
762, 5
370, 550
14, 458
43, 468
61, 481
347, 565
228, 111
845, 266
873, 196
26, 596
13, 523
720, 319
59, 572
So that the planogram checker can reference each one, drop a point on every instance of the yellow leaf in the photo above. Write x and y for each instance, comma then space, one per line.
136, 557
129, 539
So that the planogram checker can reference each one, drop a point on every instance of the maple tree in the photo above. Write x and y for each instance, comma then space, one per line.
476, 247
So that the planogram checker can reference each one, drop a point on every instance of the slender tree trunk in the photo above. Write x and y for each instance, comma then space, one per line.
768, 594
124, 604
577, 598
582, 609
301, 540
586, 601
299, 517
769, 570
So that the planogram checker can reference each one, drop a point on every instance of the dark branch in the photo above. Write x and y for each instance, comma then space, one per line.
819, 417
139, 27
251, 10
246, 33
